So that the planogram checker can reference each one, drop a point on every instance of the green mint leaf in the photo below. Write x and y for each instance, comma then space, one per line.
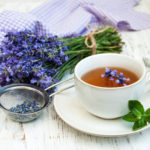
136, 107
147, 118
139, 124
147, 111
147, 115
137, 113
130, 117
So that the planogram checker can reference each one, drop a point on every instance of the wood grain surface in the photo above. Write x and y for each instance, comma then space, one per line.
51, 133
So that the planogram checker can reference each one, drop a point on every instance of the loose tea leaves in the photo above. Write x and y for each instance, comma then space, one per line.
26, 107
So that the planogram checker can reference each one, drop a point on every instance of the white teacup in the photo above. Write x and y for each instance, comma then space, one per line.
104, 102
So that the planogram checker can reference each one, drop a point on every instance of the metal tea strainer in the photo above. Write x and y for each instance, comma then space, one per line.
15, 94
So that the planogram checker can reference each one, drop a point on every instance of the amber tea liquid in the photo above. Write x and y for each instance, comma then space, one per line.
94, 77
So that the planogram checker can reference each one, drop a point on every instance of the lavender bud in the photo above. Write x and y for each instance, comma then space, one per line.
121, 74
128, 79
107, 70
118, 81
111, 79
102, 75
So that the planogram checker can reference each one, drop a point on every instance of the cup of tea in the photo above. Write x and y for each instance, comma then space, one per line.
105, 99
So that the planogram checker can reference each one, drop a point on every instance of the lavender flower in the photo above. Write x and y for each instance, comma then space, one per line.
112, 75
111, 79
30, 58
102, 75
117, 81
108, 72
128, 79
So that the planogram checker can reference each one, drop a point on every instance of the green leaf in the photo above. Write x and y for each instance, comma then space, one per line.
147, 118
147, 111
136, 107
137, 113
130, 117
147, 115
139, 124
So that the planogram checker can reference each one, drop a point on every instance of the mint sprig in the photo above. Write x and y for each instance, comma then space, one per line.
137, 115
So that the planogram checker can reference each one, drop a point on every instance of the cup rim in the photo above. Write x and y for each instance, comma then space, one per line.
111, 88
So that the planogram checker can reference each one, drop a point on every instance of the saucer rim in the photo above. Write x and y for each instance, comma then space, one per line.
98, 134
93, 133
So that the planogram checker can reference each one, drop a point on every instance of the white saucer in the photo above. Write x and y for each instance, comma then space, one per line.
70, 111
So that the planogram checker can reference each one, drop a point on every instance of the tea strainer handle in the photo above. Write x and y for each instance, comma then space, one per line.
61, 90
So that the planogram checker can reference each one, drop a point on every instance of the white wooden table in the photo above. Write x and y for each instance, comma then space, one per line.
51, 133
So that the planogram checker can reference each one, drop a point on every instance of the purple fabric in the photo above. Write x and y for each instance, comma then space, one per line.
119, 13
67, 17
17, 21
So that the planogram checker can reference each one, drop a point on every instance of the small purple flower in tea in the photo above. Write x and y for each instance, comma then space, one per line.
108, 72
121, 74
111, 79
112, 75
102, 75
117, 81
128, 79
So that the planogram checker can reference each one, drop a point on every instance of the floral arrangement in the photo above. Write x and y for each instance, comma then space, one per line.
26, 57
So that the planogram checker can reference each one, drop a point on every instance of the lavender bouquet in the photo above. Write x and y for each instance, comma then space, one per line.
24, 57
41, 60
